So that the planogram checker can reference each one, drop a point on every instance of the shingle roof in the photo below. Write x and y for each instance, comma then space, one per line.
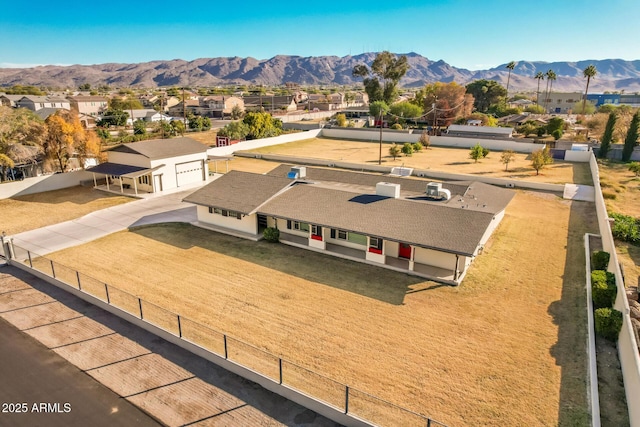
115, 169
162, 148
426, 225
473, 195
239, 191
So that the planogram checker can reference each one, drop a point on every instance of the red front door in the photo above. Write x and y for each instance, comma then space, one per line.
404, 251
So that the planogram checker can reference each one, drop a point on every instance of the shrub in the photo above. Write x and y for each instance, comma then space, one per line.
609, 195
557, 134
424, 139
625, 228
600, 260
271, 234
407, 149
417, 147
603, 288
394, 150
396, 126
608, 323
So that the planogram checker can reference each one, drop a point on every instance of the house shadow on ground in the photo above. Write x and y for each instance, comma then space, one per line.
367, 280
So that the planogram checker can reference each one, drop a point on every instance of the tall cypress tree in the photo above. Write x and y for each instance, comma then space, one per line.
608, 135
632, 137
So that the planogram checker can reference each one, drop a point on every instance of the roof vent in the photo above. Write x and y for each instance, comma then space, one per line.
297, 172
388, 189
436, 192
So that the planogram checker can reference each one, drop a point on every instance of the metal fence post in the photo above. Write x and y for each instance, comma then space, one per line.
346, 399
428, 422
78, 277
280, 363
53, 270
30, 262
179, 327
140, 305
106, 290
226, 353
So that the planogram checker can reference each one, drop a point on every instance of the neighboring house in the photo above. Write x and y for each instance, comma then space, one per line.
88, 105
189, 106
520, 119
560, 102
35, 103
9, 100
155, 165
521, 103
221, 105
270, 102
479, 131
44, 113
147, 115
433, 230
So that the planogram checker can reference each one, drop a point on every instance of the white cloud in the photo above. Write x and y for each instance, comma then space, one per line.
15, 65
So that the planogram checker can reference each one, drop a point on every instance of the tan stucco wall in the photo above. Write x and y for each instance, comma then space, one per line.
247, 224
435, 258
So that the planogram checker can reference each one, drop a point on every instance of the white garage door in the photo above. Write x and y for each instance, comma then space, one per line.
188, 173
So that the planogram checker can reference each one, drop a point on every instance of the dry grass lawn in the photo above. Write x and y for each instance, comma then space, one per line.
453, 160
621, 190
32, 211
506, 348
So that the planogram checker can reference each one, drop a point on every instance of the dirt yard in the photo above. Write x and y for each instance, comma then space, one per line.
454, 160
24, 213
504, 348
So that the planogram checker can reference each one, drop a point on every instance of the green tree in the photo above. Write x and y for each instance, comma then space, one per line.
588, 73
582, 107
557, 134
535, 109
177, 127
381, 80
236, 112
405, 110
607, 137
510, 66
407, 149
507, 157
555, 123
378, 108
540, 159
539, 76
394, 151
235, 130
635, 168
139, 127
113, 117
341, 120
486, 93
262, 125
607, 108
478, 152
551, 77
527, 128
631, 139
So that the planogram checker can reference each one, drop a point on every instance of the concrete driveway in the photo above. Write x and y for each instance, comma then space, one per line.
165, 208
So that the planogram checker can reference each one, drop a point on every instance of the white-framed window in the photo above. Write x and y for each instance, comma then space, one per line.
316, 229
342, 235
144, 179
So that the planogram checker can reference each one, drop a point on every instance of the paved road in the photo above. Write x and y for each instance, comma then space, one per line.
33, 375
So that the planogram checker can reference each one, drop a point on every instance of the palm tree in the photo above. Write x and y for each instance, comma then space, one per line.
588, 72
510, 66
539, 76
551, 76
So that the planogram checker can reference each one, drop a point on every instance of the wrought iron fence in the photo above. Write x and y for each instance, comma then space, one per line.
339, 396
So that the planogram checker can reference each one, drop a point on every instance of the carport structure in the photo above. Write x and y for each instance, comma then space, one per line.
128, 176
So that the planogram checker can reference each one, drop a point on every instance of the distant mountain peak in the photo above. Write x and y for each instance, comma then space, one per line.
613, 74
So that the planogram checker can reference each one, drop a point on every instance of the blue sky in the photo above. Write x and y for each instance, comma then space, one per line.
469, 34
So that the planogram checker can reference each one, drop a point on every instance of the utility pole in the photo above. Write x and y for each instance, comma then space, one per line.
380, 154
435, 115
184, 108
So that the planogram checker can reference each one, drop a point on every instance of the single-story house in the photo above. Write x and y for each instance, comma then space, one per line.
147, 115
433, 230
479, 131
155, 165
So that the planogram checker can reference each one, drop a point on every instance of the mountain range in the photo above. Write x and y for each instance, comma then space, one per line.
613, 74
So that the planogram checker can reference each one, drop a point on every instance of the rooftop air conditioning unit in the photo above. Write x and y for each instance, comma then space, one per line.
435, 191
297, 172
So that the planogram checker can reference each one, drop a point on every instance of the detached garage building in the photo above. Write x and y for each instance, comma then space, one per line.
155, 165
